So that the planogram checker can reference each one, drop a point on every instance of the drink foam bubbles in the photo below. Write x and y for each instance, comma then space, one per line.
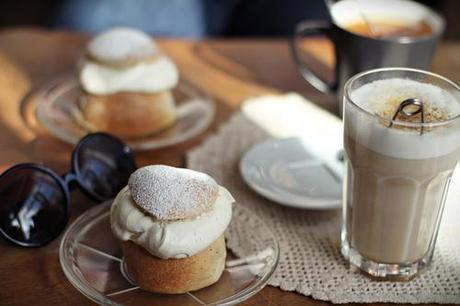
382, 98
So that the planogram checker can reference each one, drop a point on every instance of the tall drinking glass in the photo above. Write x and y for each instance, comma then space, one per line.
402, 143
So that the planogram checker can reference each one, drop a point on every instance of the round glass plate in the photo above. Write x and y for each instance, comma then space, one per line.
56, 109
91, 258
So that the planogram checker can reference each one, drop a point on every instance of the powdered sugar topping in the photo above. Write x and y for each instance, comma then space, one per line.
118, 44
170, 193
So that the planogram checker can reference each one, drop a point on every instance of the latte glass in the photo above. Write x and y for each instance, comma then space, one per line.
399, 163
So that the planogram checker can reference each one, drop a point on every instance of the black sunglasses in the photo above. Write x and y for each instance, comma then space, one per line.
34, 200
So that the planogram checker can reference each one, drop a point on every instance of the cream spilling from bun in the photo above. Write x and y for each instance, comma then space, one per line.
126, 60
170, 238
149, 77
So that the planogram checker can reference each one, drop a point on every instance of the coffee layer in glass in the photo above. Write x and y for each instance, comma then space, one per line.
397, 172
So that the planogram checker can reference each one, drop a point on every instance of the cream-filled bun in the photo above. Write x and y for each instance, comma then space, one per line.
171, 212
126, 60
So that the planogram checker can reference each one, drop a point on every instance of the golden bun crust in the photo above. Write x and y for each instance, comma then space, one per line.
175, 276
127, 115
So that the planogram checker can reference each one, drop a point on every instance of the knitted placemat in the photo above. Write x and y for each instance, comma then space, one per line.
310, 260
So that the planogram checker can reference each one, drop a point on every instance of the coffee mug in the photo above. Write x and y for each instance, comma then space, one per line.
356, 51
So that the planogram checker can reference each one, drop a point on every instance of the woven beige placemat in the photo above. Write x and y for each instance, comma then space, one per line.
310, 260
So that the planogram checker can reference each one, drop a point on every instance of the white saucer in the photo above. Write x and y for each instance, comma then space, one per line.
285, 171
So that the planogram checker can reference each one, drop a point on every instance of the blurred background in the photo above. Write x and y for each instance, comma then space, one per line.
186, 18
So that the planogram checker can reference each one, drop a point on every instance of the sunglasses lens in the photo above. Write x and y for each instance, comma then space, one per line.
33, 205
103, 165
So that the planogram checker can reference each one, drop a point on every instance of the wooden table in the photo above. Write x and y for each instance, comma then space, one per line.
230, 70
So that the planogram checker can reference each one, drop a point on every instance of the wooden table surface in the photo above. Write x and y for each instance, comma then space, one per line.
230, 70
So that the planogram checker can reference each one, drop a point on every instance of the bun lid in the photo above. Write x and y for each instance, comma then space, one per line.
121, 45
170, 193
126, 60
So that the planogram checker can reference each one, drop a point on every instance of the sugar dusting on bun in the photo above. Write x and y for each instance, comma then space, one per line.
126, 60
170, 193
119, 46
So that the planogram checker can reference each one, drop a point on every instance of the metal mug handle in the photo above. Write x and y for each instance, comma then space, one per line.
307, 28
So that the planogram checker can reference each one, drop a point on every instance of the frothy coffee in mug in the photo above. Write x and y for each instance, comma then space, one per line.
396, 175
388, 29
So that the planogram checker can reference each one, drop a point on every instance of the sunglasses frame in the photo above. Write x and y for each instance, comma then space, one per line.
74, 174
66, 205
65, 182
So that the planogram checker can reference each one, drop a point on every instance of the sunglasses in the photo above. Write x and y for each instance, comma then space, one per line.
35, 200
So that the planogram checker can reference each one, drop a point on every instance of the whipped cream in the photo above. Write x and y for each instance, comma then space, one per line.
147, 76
169, 239
398, 143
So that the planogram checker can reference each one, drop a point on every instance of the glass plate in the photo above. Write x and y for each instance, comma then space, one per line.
55, 106
92, 261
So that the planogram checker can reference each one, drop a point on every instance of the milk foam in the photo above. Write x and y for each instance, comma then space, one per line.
402, 143
349, 11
